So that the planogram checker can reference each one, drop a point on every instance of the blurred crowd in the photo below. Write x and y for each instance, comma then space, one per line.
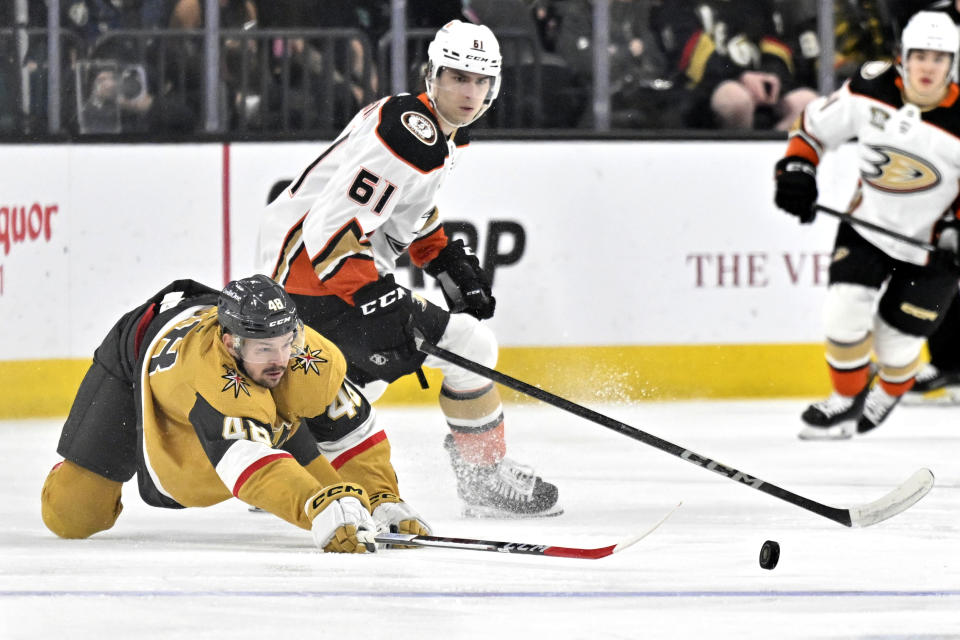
306, 65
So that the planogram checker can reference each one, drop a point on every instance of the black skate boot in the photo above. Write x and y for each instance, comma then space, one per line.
503, 490
934, 386
834, 418
878, 406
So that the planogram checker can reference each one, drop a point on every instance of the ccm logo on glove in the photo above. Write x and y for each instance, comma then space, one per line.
383, 301
335, 492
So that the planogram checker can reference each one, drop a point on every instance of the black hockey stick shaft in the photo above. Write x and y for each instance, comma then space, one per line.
833, 513
857, 222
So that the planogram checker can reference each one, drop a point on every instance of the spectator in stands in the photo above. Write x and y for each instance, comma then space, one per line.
639, 88
433, 14
733, 60
242, 97
125, 63
539, 88
351, 65
865, 30
801, 33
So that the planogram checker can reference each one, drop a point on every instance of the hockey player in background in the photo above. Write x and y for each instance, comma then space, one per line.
906, 119
332, 238
210, 395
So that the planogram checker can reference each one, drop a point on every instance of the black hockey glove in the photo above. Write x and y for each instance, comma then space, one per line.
796, 179
945, 260
465, 286
384, 321
946, 235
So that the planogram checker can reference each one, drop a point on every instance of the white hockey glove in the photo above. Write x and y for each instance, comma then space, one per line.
393, 515
341, 519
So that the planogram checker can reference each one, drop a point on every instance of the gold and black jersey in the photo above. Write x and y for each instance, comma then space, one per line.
209, 432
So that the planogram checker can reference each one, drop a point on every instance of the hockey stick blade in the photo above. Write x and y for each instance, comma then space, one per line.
857, 222
897, 501
470, 544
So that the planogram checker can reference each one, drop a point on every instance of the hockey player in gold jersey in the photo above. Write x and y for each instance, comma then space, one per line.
209, 395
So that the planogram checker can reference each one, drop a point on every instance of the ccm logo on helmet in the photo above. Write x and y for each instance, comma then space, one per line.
478, 58
277, 323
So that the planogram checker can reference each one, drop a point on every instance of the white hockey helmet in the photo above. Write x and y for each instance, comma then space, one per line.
467, 47
933, 31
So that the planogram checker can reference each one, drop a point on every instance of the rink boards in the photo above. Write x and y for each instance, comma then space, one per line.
622, 270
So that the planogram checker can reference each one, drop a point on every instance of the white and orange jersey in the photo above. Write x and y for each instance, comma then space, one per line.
909, 158
369, 197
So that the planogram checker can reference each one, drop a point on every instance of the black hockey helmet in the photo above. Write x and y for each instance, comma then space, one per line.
257, 307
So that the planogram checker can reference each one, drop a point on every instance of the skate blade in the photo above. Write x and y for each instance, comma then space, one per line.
841, 431
944, 396
492, 513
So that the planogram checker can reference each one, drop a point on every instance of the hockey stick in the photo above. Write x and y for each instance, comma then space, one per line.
411, 540
846, 217
897, 501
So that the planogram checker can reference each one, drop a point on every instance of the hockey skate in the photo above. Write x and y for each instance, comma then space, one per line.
877, 407
503, 490
934, 386
835, 418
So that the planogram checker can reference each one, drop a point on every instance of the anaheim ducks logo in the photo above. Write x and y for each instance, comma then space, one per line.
308, 359
896, 171
235, 382
420, 126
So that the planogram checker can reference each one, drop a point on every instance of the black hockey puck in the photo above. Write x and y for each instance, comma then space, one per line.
769, 554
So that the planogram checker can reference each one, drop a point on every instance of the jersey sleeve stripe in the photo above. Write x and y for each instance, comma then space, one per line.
803, 143
348, 241
242, 459
256, 466
352, 452
292, 243
799, 145
425, 249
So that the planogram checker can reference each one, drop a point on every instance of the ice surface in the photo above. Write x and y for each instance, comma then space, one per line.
223, 572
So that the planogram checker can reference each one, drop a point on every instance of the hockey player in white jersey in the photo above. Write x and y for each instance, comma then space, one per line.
906, 119
332, 238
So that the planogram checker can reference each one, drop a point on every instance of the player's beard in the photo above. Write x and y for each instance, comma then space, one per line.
266, 377
270, 377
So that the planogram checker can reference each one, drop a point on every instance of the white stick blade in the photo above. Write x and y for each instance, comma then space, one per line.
897, 501
623, 544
